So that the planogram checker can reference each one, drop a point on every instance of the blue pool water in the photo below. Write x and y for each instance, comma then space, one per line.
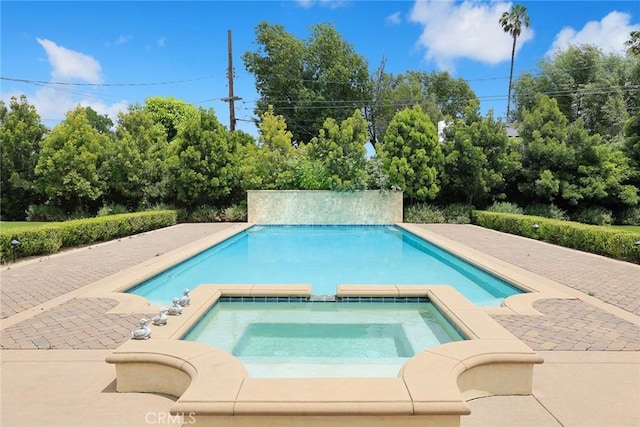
323, 339
326, 256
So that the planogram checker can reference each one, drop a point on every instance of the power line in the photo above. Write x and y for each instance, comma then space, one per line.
43, 82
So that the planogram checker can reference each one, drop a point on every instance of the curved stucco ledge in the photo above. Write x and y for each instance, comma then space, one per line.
177, 368
477, 368
431, 388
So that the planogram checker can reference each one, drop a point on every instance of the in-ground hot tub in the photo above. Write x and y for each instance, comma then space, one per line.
215, 387
352, 337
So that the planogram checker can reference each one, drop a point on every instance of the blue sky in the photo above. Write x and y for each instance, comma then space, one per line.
112, 54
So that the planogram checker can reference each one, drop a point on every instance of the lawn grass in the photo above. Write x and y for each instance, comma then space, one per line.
12, 225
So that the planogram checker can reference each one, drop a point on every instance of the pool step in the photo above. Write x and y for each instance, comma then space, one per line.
322, 298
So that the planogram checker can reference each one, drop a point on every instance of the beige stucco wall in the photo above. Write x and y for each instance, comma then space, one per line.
324, 207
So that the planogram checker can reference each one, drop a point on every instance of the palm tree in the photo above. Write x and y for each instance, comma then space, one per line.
512, 22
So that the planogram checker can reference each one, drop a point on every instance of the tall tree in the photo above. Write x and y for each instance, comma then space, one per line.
202, 164
70, 160
438, 94
480, 159
20, 135
586, 83
412, 156
339, 148
270, 164
171, 113
512, 22
134, 160
565, 165
307, 81
633, 44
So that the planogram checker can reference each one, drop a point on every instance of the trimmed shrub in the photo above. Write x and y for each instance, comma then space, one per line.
49, 238
33, 241
505, 207
423, 213
594, 215
458, 213
114, 209
607, 241
235, 213
630, 216
205, 213
547, 211
46, 213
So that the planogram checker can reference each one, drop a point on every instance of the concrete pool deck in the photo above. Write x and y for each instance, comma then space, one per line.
590, 343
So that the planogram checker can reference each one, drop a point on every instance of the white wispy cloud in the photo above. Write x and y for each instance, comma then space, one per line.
331, 4
162, 41
393, 19
609, 34
68, 64
52, 102
467, 30
122, 39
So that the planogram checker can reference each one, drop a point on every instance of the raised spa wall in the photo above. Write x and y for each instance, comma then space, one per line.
294, 207
214, 389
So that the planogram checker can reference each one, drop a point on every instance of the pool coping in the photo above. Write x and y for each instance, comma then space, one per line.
535, 286
432, 386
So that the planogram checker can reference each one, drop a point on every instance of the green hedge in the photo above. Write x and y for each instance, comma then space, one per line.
47, 239
607, 241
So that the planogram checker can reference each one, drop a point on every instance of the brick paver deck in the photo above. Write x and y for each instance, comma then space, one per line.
609, 280
82, 323
26, 286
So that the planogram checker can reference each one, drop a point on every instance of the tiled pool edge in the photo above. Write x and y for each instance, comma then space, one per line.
536, 287
539, 287
432, 387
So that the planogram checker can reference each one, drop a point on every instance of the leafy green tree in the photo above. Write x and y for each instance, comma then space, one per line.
270, 164
438, 94
135, 159
307, 81
100, 122
20, 135
512, 22
547, 161
340, 149
202, 163
587, 84
603, 171
565, 165
171, 113
480, 159
67, 171
412, 156
633, 44
632, 148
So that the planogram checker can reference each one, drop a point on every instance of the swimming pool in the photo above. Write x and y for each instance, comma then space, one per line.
326, 256
323, 339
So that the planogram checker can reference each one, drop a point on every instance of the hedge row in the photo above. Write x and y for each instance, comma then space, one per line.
47, 239
611, 242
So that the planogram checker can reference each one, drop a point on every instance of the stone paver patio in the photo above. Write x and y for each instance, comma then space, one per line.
30, 321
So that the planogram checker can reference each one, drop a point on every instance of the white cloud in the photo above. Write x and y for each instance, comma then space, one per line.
393, 19
122, 39
609, 34
53, 101
162, 41
331, 4
68, 64
468, 30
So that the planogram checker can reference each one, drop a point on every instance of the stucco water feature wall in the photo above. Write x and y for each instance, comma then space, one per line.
324, 207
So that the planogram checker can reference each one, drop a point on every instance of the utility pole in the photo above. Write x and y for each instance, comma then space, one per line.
231, 98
